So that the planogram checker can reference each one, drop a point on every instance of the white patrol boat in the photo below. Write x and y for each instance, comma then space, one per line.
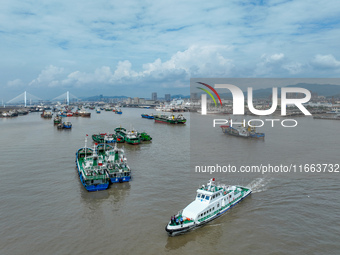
211, 202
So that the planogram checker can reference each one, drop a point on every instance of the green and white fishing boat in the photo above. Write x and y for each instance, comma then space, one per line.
132, 137
91, 169
144, 137
170, 119
104, 138
117, 166
211, 201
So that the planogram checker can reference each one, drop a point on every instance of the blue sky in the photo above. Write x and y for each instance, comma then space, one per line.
135, 48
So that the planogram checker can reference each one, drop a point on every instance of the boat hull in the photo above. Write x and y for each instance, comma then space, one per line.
120, 179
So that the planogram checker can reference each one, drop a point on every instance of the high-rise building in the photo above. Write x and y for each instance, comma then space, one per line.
167, 97
154, 96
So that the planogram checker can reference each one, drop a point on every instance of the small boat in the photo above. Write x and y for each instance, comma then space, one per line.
45, 114
92, 172
170, 119
120, 134
57, 120
98, 110
67, 125
147, 116
84, 113
104, 138
242, 131
118, 111
212, 201
144, 136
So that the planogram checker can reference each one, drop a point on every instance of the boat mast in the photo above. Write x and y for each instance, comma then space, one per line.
85, 145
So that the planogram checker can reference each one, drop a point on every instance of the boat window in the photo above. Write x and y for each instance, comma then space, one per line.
198, 195
218, 205
201, 214
203, 196
213, 196
204, 213
207, 197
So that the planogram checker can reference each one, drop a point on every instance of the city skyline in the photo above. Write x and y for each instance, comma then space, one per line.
116, 48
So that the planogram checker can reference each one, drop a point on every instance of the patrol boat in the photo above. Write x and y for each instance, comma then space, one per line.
211, 201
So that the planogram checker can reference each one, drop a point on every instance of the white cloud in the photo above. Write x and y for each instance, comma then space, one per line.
48, 77
268, 63
15, 83
325, 62
293, 67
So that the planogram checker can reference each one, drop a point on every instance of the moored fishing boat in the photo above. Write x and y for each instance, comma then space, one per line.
67, 125
147, 116
170, 119
212, 201
144, 136
104, 138
46, 114
242, 131
84, 113
116, 163
132, 137
92, 172
118, 111
57, 120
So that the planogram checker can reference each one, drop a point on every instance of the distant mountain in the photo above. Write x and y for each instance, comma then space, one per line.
102, 98
326, 90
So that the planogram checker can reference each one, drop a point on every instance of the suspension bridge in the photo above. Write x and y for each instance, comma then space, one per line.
25, 97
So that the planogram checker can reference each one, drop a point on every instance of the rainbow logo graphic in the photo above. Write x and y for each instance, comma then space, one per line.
209, 93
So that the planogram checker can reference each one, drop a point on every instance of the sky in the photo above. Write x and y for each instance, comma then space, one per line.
134, 48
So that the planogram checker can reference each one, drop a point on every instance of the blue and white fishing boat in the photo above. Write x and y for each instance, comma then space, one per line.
67, 125
211, 201
147, 116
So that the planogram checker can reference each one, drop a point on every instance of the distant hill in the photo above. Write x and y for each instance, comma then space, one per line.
326, 90
102, 98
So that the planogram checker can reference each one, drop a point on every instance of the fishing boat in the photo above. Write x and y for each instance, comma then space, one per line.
118, 111
147, 116
211, 201
57, 120
170, 119
242, 131
67, 125
92, 172
46, 114
132, 137
98, 110
144, 137
104, 138
120, 134
84, 113
116, 163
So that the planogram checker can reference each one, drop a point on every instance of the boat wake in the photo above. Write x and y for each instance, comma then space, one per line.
259, 184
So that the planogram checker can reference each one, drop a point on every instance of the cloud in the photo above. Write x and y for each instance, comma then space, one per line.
15, 83
325, 62
293, 67
48, 77
207, 61
268, 63
154, 44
